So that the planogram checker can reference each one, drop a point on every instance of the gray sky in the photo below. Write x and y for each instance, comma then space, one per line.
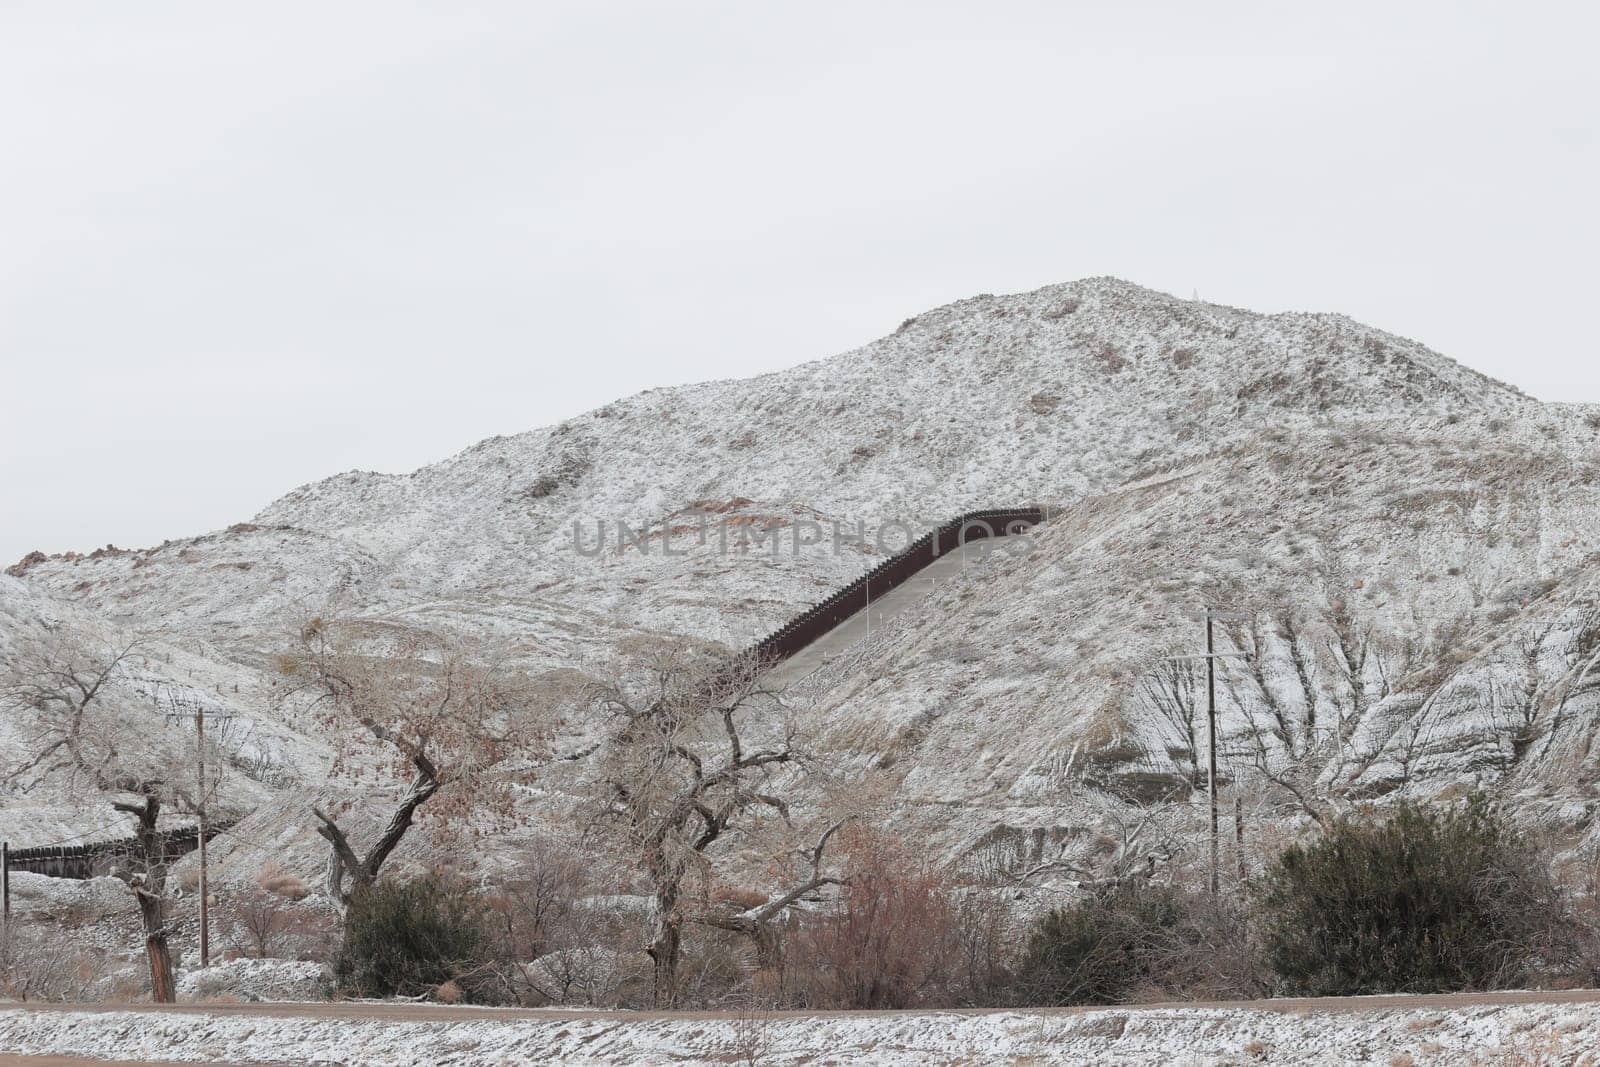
246, 246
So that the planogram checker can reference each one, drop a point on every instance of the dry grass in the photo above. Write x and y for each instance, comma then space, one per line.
278, 882
743, 899
1543, 1050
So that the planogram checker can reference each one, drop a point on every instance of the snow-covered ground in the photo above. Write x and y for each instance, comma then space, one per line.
256, 979
1399, 1035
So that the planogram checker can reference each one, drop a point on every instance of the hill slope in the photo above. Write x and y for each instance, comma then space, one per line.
1410, 549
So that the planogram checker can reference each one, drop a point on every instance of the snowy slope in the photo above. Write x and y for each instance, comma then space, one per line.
1393, 527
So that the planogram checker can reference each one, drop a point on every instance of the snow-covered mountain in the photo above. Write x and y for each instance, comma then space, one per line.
1409, 549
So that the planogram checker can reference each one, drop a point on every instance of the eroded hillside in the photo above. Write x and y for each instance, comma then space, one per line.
1407, 548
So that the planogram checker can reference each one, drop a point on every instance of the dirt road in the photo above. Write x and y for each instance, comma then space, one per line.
447, 1013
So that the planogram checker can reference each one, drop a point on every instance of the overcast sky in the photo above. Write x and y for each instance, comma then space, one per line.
245, 246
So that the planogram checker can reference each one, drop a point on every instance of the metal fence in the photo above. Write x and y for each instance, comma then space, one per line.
971, 526
99, 857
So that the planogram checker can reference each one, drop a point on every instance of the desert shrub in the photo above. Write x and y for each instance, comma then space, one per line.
1088, 954
410, 938
36, 965
261, 920
985, 947
537, 906
1110, 360
1136, 941
890, 940
257, 923
713, 969
1422, 901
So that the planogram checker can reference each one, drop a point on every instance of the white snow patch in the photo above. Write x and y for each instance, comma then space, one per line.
256, 979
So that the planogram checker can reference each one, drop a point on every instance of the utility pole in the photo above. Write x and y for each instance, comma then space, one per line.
1211, 655
1210, 733
197, 711
205, 890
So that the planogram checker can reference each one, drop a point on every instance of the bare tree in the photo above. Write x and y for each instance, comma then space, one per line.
1172, 691
1302, 754
536, 901
261, 918
683, 765
461, 730
258, 923
762, 924
79, 726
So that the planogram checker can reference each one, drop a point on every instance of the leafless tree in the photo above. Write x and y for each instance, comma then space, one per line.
1298, 750
258, 923
694, 749
535, 902
260, 917
460, 729
79, 725
1172, 691
762, 923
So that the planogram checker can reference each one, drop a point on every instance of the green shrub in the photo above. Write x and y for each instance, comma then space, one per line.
409, 938
1423, 901
1138, 941
1088, 953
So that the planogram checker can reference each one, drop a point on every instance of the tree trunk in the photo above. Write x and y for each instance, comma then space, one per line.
768, 939
149, 890
363, 874
152, 914
665, 946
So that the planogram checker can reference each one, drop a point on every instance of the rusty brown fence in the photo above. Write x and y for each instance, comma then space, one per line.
99, 857
971, 526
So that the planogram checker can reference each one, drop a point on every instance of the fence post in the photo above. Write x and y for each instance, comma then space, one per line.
5, 878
